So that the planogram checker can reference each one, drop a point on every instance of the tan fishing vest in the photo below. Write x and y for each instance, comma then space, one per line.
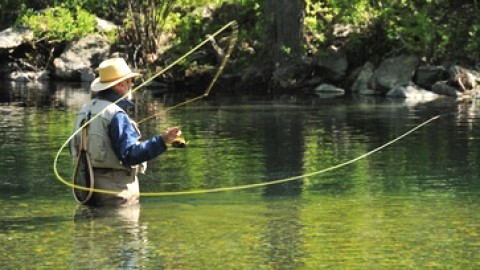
98, 143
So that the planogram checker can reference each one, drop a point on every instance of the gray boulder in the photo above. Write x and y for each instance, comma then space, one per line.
75, 63
443, 88
394, 71
104, 26
427, 76
333, 65
13, 37
361, 82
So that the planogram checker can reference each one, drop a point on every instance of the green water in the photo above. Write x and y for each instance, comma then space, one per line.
244, 231
413, 205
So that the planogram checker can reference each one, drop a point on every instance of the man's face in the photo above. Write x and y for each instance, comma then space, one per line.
125, 87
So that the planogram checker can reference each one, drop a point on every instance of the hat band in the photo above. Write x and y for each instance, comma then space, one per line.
114, 79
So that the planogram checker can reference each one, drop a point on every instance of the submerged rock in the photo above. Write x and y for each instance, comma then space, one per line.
329, 91
411, 92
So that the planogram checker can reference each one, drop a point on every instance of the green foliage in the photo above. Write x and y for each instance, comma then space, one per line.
286, 50
435, 29
59, 23
473, 44
412, 29
322, 16
313, 25
150, 28
100, 8
188, 20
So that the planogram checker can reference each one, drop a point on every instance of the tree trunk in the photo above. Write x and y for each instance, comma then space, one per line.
284, 34
283, 40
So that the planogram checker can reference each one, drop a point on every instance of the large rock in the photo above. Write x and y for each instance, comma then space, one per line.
461, 78
333, 65
104, 26
13, 37
443, 88
75, 63
361, 83
427, 76
291, 75
394, 71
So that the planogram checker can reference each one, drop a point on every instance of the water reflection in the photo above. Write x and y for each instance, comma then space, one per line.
283, 237
44, 94
106, 237
284, 145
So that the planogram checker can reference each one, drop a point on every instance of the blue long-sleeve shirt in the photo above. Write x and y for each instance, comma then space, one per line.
124, 136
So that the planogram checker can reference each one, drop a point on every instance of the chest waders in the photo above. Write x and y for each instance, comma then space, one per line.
83, 172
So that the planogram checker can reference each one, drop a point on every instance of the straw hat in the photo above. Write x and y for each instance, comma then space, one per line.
111, 72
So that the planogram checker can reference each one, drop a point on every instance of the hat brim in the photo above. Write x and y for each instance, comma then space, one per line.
97, 85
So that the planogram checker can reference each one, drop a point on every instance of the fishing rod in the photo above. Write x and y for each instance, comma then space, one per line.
88, 190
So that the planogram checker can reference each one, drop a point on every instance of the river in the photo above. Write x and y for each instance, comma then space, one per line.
411, 205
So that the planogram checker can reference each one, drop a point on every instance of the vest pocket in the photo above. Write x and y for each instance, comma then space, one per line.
96, 147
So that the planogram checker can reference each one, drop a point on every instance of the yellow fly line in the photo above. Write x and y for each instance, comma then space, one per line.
234, 27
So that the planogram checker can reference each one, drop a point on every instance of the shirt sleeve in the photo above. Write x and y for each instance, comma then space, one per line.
126, 142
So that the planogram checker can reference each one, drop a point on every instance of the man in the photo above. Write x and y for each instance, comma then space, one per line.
112, 140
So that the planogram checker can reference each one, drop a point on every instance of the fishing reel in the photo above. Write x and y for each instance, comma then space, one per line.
179, 143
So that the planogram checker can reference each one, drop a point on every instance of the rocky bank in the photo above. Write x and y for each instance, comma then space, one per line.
327, 76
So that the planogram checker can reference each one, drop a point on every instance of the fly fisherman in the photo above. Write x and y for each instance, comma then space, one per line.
113, 154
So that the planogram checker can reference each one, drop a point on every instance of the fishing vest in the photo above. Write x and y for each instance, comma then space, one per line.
99, 146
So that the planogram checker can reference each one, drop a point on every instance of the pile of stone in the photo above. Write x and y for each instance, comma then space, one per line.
74, 64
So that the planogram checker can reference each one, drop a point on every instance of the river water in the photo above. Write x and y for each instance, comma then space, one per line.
412, 205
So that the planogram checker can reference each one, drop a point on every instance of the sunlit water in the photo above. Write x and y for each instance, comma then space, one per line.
412, 205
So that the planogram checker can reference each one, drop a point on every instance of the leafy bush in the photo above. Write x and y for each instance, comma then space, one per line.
59, 23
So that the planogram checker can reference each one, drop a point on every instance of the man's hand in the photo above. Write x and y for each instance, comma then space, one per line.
170, 134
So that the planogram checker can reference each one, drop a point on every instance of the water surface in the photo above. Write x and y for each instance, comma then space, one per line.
412, 205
